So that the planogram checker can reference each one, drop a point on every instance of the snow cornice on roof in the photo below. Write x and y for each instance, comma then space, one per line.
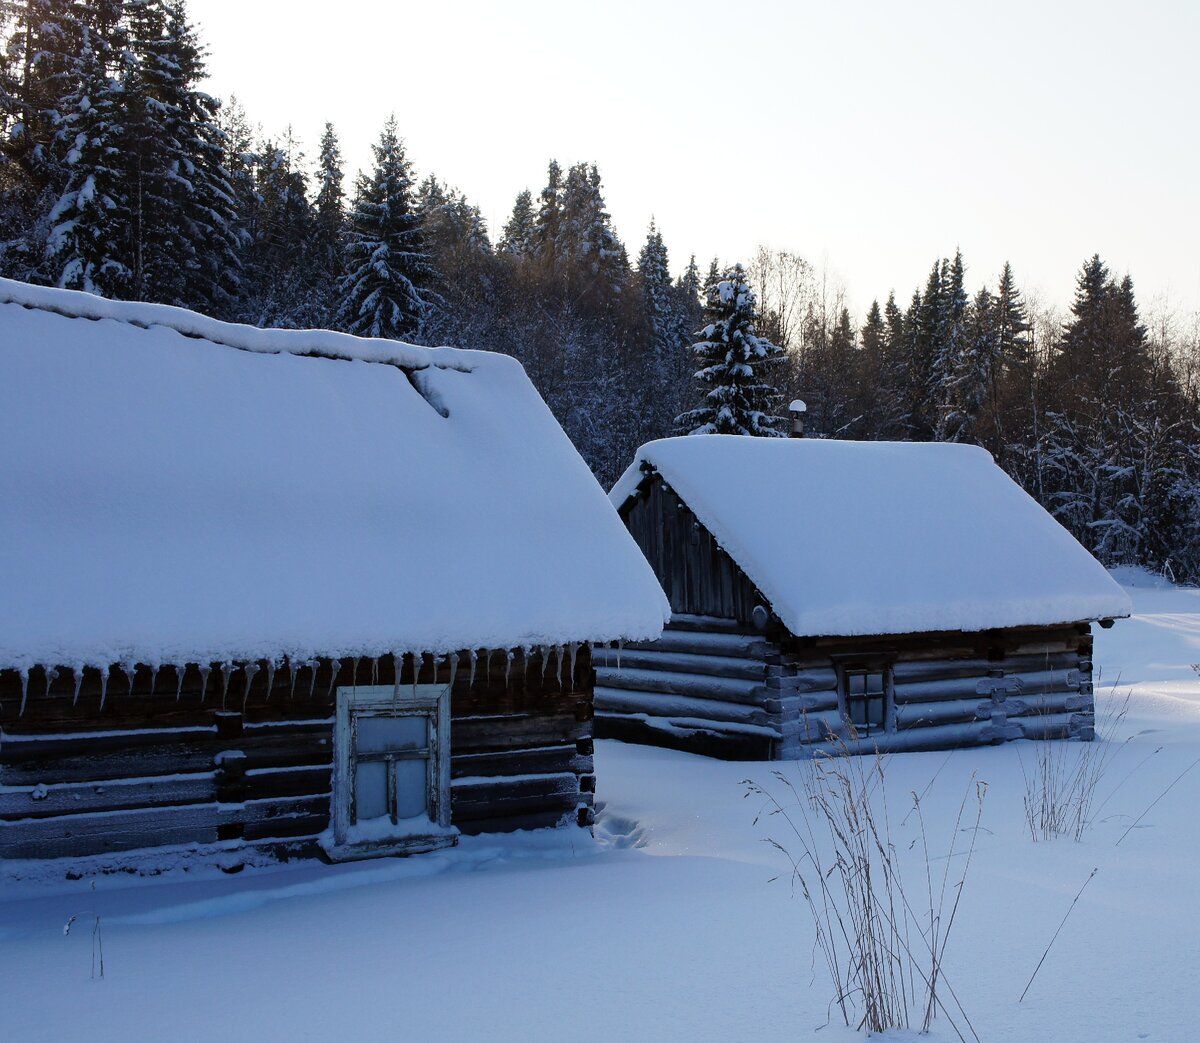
75, 304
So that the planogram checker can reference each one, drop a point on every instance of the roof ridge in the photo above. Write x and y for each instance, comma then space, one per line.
330, 344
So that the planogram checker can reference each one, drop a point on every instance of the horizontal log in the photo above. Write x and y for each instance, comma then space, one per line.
697, 686
943, 737
127, 830
920, 670
612, 700
543, 759
709, 741
738, 646
967, 687
28, 764
77, 798
711, 624
555, 817
464, 810
519, 731
494, 789
683, 662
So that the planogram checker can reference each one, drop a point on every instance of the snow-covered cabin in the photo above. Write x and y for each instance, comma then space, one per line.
264, 587
872, 594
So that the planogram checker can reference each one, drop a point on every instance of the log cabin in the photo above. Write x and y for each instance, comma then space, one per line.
831, 595
270, 593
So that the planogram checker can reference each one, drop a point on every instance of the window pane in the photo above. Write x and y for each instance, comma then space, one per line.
379, 734
857, 683
858, 711
370, 791
876, 707
874, 684
412, 796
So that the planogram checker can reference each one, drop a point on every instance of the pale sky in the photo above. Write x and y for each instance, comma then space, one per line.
871, 137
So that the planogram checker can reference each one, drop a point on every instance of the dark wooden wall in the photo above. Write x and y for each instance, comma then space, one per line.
698, 576
237, 760
722, 689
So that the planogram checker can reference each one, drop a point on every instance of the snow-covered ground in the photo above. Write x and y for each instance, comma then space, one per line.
668, 925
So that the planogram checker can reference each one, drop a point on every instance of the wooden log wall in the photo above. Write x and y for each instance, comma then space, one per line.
244, 756
709, 686
716, 687
699, 578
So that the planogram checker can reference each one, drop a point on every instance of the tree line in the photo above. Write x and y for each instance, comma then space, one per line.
119, 176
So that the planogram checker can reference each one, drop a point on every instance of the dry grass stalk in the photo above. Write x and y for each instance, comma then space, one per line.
884, 957
1061, 784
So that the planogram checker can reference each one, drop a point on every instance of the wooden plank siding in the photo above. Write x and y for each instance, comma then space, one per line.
714, 684
246, 758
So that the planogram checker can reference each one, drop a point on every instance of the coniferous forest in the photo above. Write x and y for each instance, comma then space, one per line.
119, 176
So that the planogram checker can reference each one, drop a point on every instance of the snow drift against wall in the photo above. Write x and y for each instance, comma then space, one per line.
177, 489
848, 538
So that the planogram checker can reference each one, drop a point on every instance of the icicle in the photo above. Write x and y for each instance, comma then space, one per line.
272, 666
453, 658
487, 667
312, 681
335, 669
525, 650
77, 671
180, 672
374, 670
251, 669
154, 677
508, 658
103, 685
558, 666
545, 658
51, 675
225, 671
471, 653
574, 647
24, 689
354, 675
130, 668
291, 663
620, 649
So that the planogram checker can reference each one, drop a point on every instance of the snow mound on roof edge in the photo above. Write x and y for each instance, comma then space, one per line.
76, 304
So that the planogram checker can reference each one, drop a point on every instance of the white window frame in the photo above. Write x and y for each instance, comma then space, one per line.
431, 701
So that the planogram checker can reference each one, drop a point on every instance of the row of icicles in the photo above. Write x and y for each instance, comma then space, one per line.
227, 669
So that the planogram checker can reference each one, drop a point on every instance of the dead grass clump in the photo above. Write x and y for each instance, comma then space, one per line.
882, 937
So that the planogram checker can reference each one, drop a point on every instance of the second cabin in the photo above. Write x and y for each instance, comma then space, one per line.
850, 595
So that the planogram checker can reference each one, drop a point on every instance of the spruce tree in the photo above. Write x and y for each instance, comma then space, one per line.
654, 276
183, 241
546, 224
587, 250
86, 247
385, 292
329, 212
734, 363
518, 238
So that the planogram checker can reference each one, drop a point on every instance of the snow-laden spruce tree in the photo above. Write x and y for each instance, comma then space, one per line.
86, 248
385, 290
734, 360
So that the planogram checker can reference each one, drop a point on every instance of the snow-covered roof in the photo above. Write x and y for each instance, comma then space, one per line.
849, 538
177, 489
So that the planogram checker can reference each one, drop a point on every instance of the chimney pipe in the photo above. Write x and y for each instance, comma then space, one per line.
797, 409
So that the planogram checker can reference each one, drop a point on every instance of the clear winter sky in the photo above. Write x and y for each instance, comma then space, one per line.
872, 137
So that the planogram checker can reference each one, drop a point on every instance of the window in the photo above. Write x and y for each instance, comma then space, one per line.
391, 777
864, 691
